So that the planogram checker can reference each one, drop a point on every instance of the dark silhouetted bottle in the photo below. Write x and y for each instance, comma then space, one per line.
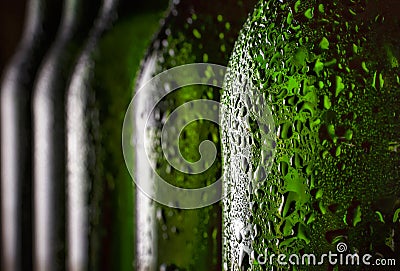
100, 213
42, 20
49, 133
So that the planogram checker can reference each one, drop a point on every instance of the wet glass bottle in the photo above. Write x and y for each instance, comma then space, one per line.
42, 20
175, 238
321, 172
49, 133
100, 210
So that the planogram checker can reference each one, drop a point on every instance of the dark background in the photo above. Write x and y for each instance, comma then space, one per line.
12, 13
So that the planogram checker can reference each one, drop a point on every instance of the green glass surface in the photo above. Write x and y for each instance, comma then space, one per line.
101, 88
177, 239
329, 72
118, 61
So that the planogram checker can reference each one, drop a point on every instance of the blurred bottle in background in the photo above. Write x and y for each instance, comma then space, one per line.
100, 191
41, 23
49, 133
168, 238
83, 197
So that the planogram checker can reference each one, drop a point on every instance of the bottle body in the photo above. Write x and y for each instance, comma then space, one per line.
100, 190
175, 238
42, 19
82, 130
49, 133
329, 75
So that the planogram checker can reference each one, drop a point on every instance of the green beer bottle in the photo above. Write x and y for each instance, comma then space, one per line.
100, 211
179, 238
81, 228
42, 19
314, 88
